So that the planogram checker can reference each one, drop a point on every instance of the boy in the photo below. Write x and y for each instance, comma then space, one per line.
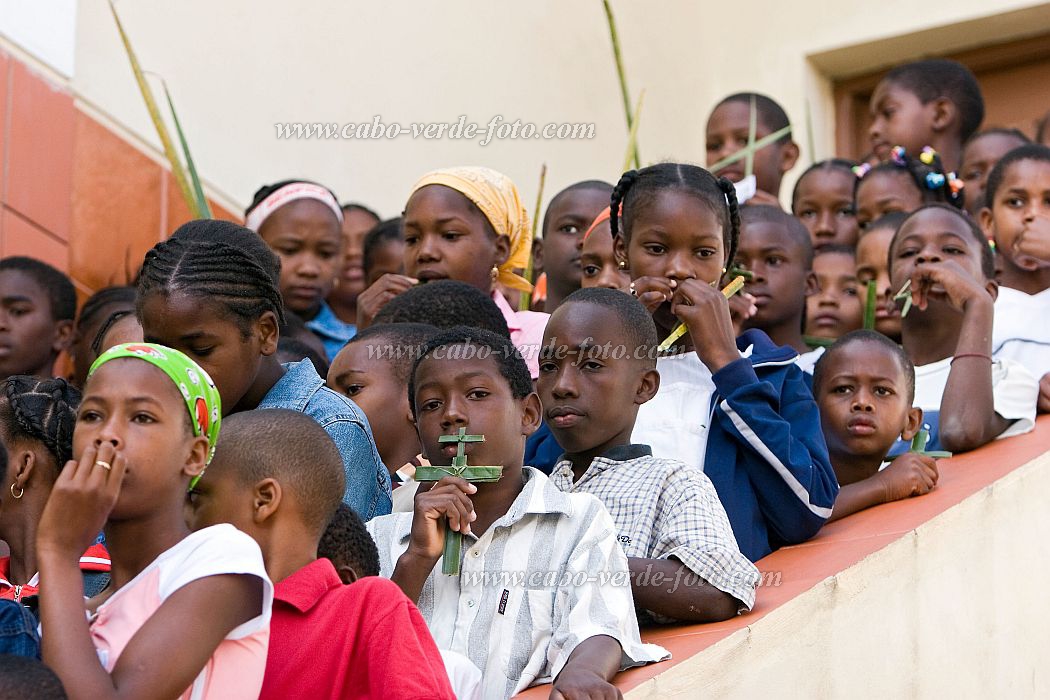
934, 103
347, 544
445, 304
982, 151
37, 306
864, 385
947, 333
277, 476
835, 308
727, 131
776, 249
558, 253
667, 514
518, 530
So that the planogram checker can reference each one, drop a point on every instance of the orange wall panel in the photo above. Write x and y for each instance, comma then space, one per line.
23, 237
5, 67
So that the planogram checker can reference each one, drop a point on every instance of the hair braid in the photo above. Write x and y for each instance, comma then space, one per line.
733, 207
616, 199
44, 410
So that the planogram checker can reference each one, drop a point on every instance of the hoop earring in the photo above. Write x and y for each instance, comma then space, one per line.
18, 495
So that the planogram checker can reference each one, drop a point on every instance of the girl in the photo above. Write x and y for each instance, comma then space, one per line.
598, 259
302, 222
145, 432
36, 427
873, 251
739, 408
211, 291
823, 202
466, 224
904, 184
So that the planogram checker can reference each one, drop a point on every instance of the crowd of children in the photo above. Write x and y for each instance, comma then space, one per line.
296, 449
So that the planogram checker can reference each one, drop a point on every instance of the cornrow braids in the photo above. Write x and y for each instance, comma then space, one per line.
217, 260
636, 189
42, 410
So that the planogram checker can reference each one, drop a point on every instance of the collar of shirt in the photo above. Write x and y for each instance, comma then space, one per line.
295, 389
513, 324
303, 589
327, 324
538, 497
606, 460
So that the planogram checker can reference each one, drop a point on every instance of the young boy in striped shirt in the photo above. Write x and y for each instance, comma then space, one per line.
543, 594
597, 366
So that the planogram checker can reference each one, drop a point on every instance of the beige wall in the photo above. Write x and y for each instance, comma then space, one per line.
236, 67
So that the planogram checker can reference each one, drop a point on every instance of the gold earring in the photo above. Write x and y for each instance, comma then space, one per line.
18, 495
724, 270
495, 273
623, 264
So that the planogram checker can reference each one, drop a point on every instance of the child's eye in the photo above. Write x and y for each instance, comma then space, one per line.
451, 235
847, 213
287, 249
590, 270
327, 254
353, 389
882, 391
707, 252
144, 418
202, 352
774, 261
953, 250
714, 145
88, 416
655, 249
1014, 202
842, 389
570, 229
850, 291
18, 311
907, 252
411, 240
591, 365
430, 405
477, 394
548, 367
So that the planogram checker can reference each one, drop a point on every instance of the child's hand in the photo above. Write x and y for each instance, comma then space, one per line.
652, 291
946, 278
741, 308
1031, 250
373, 299
81, 500
705, 312
911, 474
583, 685
447, 504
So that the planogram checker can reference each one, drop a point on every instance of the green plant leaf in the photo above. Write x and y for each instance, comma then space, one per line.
752, 128
632, 137
526, 298
869, 306
203, 209
624, 92
743, 152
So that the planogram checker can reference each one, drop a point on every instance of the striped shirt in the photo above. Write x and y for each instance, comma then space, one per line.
541, 579
666, 509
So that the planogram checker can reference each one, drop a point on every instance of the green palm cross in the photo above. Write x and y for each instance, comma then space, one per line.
450, 555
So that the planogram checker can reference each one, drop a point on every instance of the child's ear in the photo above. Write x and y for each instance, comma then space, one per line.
993, 288
944, 114
812, 286
984, 219
347, 574
197, 459
912, 423
267, 332
788, 157
63, 337
531, 415
22, 466
502, 250
266, 499
648, 385
620, 251
537, 254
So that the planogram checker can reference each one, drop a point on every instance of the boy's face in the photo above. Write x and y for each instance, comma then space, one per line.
863, 401
459, 390
30, 337
873, 251
979, 157
598, 260
307, 238
934, 237
899, 118
1022, 204
388, 258
882, 193
567, 219
360, 373
780, 276
590, 392
835, 308
220, 497
727, 133
825, 206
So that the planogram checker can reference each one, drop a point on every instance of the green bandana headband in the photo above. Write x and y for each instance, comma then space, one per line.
196, 387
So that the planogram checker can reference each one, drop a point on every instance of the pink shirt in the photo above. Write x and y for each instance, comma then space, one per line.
236, 668
526, 331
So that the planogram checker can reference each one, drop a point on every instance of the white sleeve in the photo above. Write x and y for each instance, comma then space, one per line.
1016, 395
214, 551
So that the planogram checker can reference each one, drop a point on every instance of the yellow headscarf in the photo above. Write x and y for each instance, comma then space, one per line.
498, 199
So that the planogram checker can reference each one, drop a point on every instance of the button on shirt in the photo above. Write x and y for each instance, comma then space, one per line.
666, 509
541, 579
367, 480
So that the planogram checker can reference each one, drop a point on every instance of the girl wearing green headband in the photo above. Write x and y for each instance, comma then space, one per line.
146, 429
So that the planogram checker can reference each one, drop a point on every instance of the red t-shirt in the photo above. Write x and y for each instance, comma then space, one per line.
96, 558
365, 640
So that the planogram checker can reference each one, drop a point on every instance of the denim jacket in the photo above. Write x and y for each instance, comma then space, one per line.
367, 479
333, 332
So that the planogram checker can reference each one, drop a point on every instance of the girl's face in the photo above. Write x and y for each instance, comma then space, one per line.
213, 339
447, 237
676, 236
137, 408
899, 118
933, 236
307, 237
824, 204
835, 308
1022, 203
873, 251
979, 157
598, 261
884, 192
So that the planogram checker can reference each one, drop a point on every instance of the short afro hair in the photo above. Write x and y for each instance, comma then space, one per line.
486, 344
891, 220
24, 677
939, 77
770, 114
784, 222
1031, 151
61, 295
298, 454
346, 542
866, 336
984, 250
637, 327
445, 304
403, 344
357, 206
